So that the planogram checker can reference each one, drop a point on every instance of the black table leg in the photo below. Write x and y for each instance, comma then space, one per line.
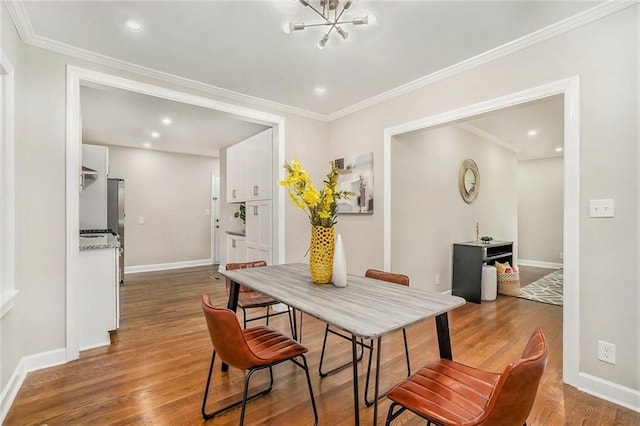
232, 303
356, 404
375, 399
295, 325
444, 340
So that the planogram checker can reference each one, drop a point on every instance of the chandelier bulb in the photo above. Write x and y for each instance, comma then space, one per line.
287, 27
323, 41
371, 19
343, 33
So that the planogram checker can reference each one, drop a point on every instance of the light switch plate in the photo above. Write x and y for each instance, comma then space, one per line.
601, 208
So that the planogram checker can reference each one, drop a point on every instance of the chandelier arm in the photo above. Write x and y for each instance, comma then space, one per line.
321, 14
320, 24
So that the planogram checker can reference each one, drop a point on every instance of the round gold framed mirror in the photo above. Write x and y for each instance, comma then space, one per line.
469, 180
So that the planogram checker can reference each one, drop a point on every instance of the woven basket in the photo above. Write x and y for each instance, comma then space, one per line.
509, 283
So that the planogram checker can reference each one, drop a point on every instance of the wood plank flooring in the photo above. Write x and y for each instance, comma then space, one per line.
154, 372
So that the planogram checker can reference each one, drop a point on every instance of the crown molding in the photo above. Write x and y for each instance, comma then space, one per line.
23, 26
490, 137
597, 12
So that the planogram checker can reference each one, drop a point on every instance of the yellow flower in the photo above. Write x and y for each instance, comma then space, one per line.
320, 206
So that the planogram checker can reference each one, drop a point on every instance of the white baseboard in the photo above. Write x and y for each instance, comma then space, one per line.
165, 266
609, 391
539, 264
26, 365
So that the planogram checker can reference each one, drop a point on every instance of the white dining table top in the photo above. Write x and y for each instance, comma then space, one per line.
366, 307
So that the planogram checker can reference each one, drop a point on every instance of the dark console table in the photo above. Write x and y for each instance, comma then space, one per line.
468, 259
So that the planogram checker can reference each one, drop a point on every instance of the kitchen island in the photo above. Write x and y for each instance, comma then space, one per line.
99, 290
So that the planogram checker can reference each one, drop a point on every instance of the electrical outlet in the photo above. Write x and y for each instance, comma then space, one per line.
606, 352
437, 280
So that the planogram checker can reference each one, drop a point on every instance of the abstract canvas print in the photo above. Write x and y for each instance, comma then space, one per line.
355, 174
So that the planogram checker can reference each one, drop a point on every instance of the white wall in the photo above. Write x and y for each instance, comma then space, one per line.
605, 56
428, 214
40, 206
171, 192
540, 209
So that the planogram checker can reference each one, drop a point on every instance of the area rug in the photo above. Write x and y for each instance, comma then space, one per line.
547, 289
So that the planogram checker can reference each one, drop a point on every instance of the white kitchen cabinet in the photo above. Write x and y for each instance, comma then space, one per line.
258, 225
236, 173
236, 248
249, 168
99, 292
258, 155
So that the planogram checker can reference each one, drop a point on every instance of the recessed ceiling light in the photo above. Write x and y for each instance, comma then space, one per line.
133, 25
166, 120
146, 145
155, 135
532, 132
559, 149
320, 90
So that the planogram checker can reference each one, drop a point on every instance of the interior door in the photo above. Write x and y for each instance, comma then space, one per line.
215, 218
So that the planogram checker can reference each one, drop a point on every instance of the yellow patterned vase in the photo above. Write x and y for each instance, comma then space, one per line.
321, 254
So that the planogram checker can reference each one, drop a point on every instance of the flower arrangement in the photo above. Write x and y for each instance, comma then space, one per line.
320, 205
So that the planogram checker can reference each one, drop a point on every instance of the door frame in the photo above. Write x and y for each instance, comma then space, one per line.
77, 76
570, 88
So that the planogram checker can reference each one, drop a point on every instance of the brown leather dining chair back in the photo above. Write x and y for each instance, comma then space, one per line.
448, 393
251, 349
516, 391
390, 277
250, 299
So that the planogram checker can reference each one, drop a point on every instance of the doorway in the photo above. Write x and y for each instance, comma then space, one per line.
79, 76
571, 199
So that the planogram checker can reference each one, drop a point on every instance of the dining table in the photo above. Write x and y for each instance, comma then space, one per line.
365, 308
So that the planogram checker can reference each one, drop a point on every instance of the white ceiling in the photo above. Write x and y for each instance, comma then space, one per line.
238, 49
113, 116
510, 128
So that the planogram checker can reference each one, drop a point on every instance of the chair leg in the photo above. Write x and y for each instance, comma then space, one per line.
206, 388
268, 310
368, 402
327, 330
391, 415
313, 400
208, 416
246, 391
244, 318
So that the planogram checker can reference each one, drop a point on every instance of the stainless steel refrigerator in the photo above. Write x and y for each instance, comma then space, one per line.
115, 217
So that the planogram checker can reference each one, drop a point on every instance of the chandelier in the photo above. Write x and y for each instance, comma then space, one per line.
331, 12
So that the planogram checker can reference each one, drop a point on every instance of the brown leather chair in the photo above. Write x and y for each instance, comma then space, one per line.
378, 275
251, 349
448, 393
249, 299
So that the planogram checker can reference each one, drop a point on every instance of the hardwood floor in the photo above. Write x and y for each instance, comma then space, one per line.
154, 372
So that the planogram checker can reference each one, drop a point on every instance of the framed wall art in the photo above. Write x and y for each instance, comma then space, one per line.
355, 174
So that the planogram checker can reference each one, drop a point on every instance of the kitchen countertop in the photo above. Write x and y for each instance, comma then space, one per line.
238, 233
98, 241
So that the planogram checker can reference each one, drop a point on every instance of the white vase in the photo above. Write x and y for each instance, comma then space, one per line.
339, 264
